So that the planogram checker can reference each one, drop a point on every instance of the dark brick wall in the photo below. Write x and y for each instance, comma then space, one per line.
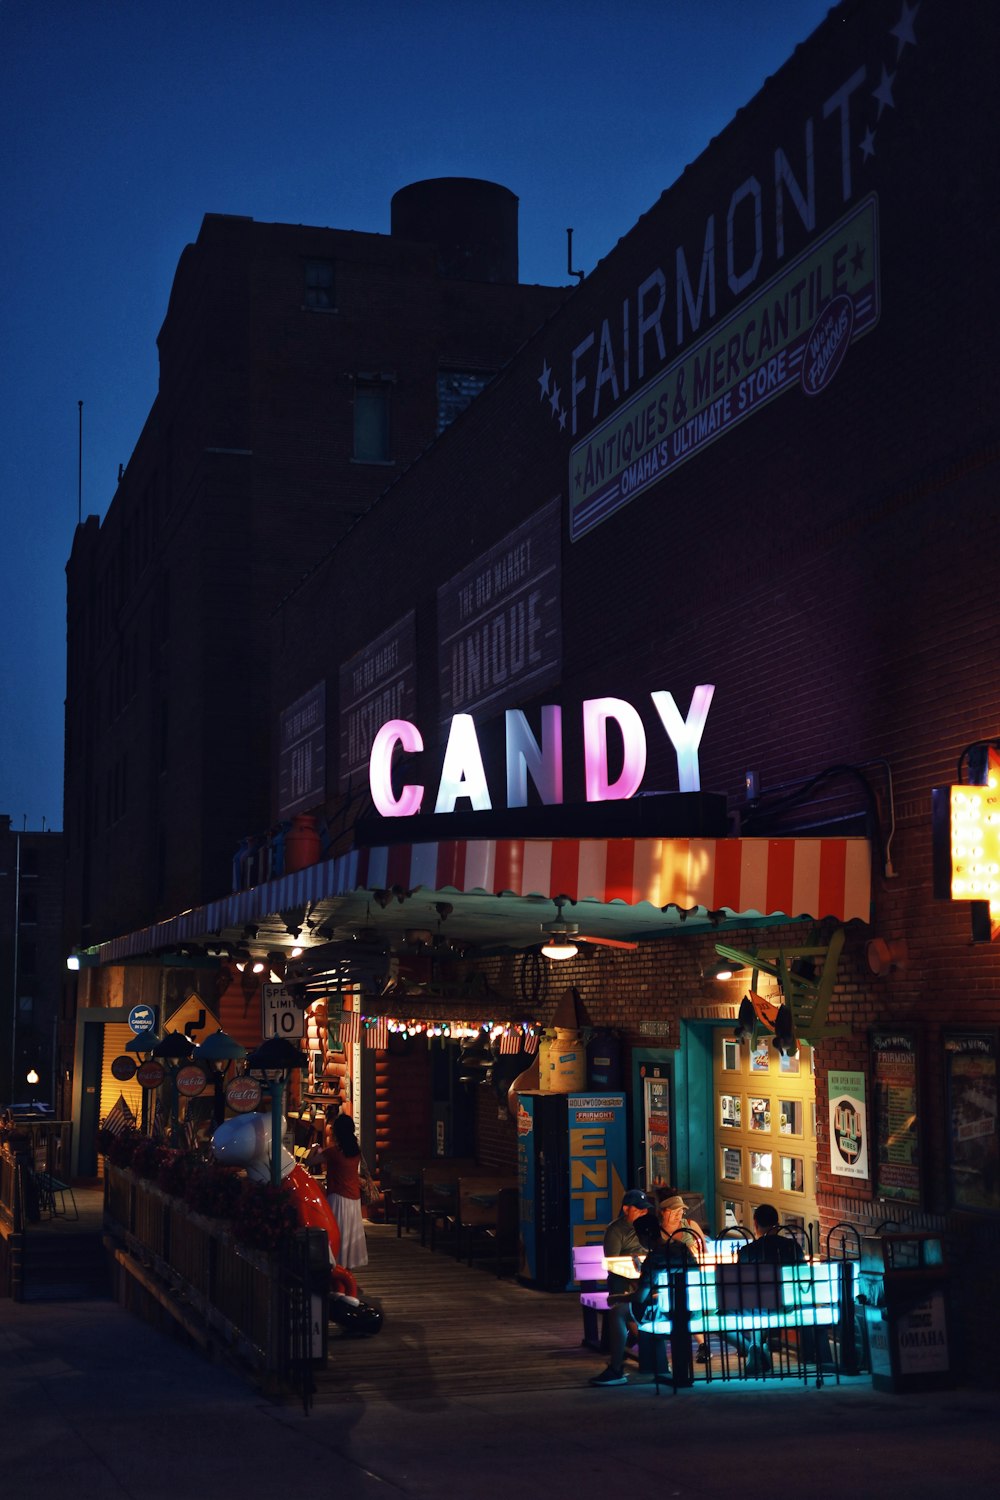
242, 478
827, 564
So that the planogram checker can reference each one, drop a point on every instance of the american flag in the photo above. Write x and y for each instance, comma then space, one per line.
350, 1028
531, 1042
510, 1041
119, 1117
376, 1033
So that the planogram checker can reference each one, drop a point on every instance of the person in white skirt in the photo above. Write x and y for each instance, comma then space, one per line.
343, 1163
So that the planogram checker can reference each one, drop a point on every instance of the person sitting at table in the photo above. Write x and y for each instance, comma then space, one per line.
770, 1247
673, 1221
678, 1247
622, 1239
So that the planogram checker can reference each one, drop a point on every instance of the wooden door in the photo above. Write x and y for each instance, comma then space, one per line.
765, 1132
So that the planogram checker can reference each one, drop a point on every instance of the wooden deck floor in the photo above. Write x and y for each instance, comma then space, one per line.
450, 1330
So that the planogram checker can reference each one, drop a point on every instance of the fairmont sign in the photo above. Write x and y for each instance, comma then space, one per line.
463, 775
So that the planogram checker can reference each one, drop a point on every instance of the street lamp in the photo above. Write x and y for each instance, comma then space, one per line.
142, 1045
219, 1051
173, 1048
273, 1062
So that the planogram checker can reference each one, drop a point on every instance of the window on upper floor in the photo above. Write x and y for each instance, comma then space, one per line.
371, 419
455, 389
318, 288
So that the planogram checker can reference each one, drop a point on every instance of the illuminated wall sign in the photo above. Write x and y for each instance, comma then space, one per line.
499, 621
302, 752
966, 847
975, 843
794, 332
377, 684
463, 776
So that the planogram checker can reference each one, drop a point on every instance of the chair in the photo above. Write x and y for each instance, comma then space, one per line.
439, 1195
401, 1180
488, 1207
49, 1189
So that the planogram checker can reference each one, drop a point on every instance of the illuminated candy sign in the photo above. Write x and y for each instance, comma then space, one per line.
463, 775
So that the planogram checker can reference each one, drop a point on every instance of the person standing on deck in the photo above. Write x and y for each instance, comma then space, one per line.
342, 1163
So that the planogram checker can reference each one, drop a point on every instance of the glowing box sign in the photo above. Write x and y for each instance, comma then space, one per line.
975, 844
966, 847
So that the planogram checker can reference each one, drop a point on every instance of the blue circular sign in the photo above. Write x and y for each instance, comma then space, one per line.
142, 1018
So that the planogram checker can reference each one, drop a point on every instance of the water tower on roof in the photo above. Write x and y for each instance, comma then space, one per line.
473, 224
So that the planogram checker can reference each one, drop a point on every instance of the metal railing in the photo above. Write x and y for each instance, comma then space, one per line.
752, 1318
13, 1174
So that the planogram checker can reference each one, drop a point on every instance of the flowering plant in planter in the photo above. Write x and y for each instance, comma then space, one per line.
264, 1215
118, 1147
174, 1170
146, 1158
213, 1190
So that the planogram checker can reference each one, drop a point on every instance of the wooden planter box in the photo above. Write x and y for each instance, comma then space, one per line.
238, 1295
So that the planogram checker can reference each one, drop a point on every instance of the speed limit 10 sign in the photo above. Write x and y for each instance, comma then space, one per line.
281, 1015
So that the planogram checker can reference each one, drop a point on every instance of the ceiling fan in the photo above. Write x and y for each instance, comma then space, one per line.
562, 938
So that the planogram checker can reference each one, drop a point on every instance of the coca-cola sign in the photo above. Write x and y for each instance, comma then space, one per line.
243, 1095
150, 1074
191, 1080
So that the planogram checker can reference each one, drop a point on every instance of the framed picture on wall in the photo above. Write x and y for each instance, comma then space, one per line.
973, 1143
895, 1084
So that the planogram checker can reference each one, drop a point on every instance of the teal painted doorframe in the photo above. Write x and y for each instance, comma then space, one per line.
694, 1153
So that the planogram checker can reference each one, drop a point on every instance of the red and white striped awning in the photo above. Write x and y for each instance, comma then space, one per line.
794, 877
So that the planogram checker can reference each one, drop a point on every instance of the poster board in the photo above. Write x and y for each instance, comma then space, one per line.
973, 1143
848, 1124
895, 1082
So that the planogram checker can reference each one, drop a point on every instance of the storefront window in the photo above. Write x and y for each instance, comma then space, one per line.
760, 1058
761, 1169
732, 1164
793, 1177
790, 1116
760, 1114
730, 1055
731, 1110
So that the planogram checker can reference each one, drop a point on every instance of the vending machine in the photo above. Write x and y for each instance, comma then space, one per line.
572, 1170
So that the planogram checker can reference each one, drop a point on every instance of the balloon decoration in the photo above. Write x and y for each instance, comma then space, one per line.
245, 1141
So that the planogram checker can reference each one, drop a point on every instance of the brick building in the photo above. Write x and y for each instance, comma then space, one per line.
31, 969
754, 452
301, 368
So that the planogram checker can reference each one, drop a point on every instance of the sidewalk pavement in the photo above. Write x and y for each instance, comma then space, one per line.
97, 1405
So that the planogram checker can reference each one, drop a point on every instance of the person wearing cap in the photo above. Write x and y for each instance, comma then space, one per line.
622, 1238
678, 1247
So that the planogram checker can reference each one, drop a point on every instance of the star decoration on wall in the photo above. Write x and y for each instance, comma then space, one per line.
903, 29
904, 32
548, 390
884, 92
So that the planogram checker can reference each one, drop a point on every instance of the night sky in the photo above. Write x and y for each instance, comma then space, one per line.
122, 122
